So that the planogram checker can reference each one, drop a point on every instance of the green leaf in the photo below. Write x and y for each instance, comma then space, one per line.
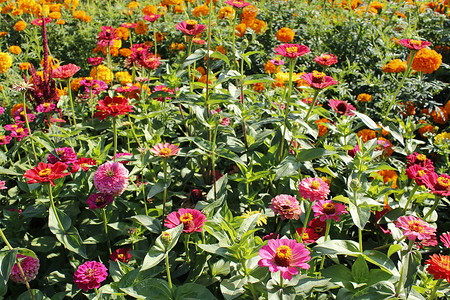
367, 120
306, 286
38, 295
42, 139
276, 292
196, 56
221, 56
248, 224
7, 260
360, 214
225, 153
27, 252
152, 288
360, 270
151, 224
44, 243
234, 287
380, 259
334, 247
338, 274
286, 168
314, 153
4, 171
393, 248
193, 291
257, 78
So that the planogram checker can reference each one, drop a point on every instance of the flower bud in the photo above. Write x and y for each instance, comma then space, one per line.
166, 238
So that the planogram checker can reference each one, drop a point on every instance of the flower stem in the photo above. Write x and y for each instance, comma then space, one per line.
52, 203
327, 231
134, 133
169, 279
105, 223
115, 137
186, 247
165, 187
432, 209
411, 195
308, 212
405, 265
316, 93
436, 287
360, 240
28, 125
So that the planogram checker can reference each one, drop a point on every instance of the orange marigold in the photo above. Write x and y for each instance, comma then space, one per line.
20, 26
271, 68
258, 26
367, 134
440, 115
388, 176
178, 9
24, 66
249, 12
364, 97
395, 66
285, 35
240, 29
125, 52
226, 12
79, 14
259, 87
322, 128
3, 33
60, 22
160, 36
141, 27
55, 15
426, 61
426, 129
15, 50
201, 10
122, 32
149, 10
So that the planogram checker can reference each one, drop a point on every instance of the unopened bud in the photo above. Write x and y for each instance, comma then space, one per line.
355, 184
166, 238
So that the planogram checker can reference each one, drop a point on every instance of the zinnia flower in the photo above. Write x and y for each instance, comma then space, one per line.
115, 106
326, 59
291, 50
30, 267
414, 45
313, 189
165, 150
237, 3
107, 36
190, 27
89, 275
99, 200
342, 107
46, 107
121, 255
111, 178
439, 266
66, 155
309, 236
5, 139
46, 173
319, 80
192, 220
83, 163
327, 209
66, 71
95, 61
284, 255
441, 185
445, 238
286, 206
414, 228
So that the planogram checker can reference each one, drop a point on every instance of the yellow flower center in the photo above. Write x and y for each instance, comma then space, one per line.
421, 173
416, 226
445, 182
292, 49
329, 208
120, 256
99, 199
110, 173
315, 184
421, 157
2, 137
318, 75
20, 130
305, 236
283, 256
46, 104
44, 172
326, 56
416, 42
165, 151
186, 218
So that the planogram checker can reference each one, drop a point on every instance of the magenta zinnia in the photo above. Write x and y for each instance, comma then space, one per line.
165, 150
441, 185
111, 178
190, 27
284, 255
30, 267
414, 228
192, 220
313, 189
319, 80
342, 107
237, 3
66, 71
286, 206
414, 45
66, 155
99, 200
291, 50
326, 59
89, 275
327, 209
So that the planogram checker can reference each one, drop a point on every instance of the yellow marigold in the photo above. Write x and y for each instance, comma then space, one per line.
442, 138
364, 97
133, 5
376, 5
322, 128
259, 26
271, 68
103, 73
141, 27
5, 62
71, 4
75, 83
226, 12
55, 15
55, 7
389, 176
24, 66
367, 134
125, 52
285, 35
201, 10
284, 76
240, 29
249, 12
426, 61
149, 10
79, 14
124, 77
20, 26
395, 66
60, 22
15, 50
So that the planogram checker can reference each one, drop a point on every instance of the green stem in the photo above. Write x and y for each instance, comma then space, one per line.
406, 74
233, 29
432, 209
213, 157
169, 279
316, 93
327, 231
52, 203
360, 240
105, 223
28, 125
186, 247
165, 187
115, 137
411, 195
436, 287
190, 77
404, 265
308, 212
281, 280
134, 133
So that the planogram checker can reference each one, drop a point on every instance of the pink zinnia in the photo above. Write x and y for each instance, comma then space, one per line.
151, 18
192, 220
421, 175
286, 206
277, 62
66, 71
66, 155
414, 228
2, 185
99, 200
123, 154
190, 27
20, 133
313, 189
291, 50
95, 61
326, 59
165, 150
284, 255
30, 267
327, 209
445, 238
107, 36
237, 3
342, 107
414, 45
111, 178
319, 80
163, 88
441, 185
46, 107
5, 139
89, 275
421, 160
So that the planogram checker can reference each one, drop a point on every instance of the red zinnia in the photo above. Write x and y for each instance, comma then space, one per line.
441, 185
342, 107
121, 255
319, 80
326, 59
46, 173
439, 266
190, 27
112, 107
66, 71
291, 50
